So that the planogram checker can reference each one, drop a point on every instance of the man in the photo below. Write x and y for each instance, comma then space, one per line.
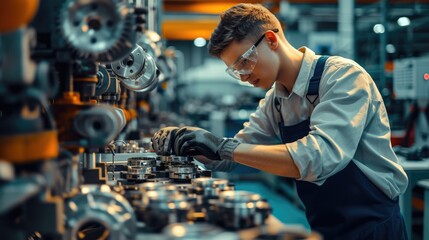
323, 123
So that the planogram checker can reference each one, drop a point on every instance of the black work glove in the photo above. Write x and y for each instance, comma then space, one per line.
197, 141
163, 140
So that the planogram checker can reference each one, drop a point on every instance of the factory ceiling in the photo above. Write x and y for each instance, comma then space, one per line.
187, 19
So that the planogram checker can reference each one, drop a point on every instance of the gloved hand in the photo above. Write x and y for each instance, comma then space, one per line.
197, 141
163, 140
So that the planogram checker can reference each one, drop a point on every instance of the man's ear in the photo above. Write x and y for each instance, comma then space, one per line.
272, 39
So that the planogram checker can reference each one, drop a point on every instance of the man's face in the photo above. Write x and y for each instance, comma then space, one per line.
251, 62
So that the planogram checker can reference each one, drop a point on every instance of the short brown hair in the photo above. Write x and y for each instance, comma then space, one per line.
238, 22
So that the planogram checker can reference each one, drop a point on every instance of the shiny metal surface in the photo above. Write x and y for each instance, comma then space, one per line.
143, 161
99, 30
163, 207
139, 170
98, 205
183, 172
137, 71
181, 160
241, 209
103, 83
99, 124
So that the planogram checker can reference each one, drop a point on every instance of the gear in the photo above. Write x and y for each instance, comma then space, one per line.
137, 71
98, 30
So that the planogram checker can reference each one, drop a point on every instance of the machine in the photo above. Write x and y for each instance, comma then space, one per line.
411, 86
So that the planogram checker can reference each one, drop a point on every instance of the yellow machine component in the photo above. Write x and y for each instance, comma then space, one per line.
144, 105
16, 13
87, 79
164, 85
133, 113
26, 148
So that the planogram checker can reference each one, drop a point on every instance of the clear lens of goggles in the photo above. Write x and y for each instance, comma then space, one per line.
245, 64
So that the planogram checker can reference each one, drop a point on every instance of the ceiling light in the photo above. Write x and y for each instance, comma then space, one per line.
200, 42
379, 28
403, 21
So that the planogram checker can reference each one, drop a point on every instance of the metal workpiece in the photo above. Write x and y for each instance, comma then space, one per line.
195, 231
210, 187
181, 159
166, 160
183, 172
206, 193
98, 212
141, 168
241, 209
143, 161
163, 207
137, 71
98, 30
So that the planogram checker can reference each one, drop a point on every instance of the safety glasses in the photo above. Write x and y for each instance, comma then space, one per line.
246, 62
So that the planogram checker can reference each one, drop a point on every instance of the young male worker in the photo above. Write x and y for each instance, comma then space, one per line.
322, 122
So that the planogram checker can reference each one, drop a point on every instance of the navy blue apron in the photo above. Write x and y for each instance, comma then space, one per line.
347, 205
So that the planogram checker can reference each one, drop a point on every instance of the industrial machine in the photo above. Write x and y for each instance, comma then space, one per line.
74, 76
411, 85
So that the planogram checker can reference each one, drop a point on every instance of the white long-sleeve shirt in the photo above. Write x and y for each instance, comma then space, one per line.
349, 122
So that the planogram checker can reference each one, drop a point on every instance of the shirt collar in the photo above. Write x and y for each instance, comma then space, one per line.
300, 86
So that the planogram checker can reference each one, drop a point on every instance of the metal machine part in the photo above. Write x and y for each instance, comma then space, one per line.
196, 231
103, 83
163, 207
99, 124
99, 213
206, 192
99, 30
141, 168
181, 160
142, 161
183, 172
210, 187
241, 209
137, 71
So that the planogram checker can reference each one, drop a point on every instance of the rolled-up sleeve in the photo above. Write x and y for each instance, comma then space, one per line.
336, 124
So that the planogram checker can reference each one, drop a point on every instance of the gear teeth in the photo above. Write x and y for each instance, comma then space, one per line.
117, 49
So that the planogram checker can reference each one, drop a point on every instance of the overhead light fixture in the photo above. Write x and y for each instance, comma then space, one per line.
200, 42
403, 21
379, 28
390, 48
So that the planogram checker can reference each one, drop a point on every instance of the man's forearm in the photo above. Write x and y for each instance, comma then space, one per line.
274, 159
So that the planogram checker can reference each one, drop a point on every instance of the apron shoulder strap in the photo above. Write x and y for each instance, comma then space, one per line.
313, 86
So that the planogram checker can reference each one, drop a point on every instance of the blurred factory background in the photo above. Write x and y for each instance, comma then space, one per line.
84, 84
